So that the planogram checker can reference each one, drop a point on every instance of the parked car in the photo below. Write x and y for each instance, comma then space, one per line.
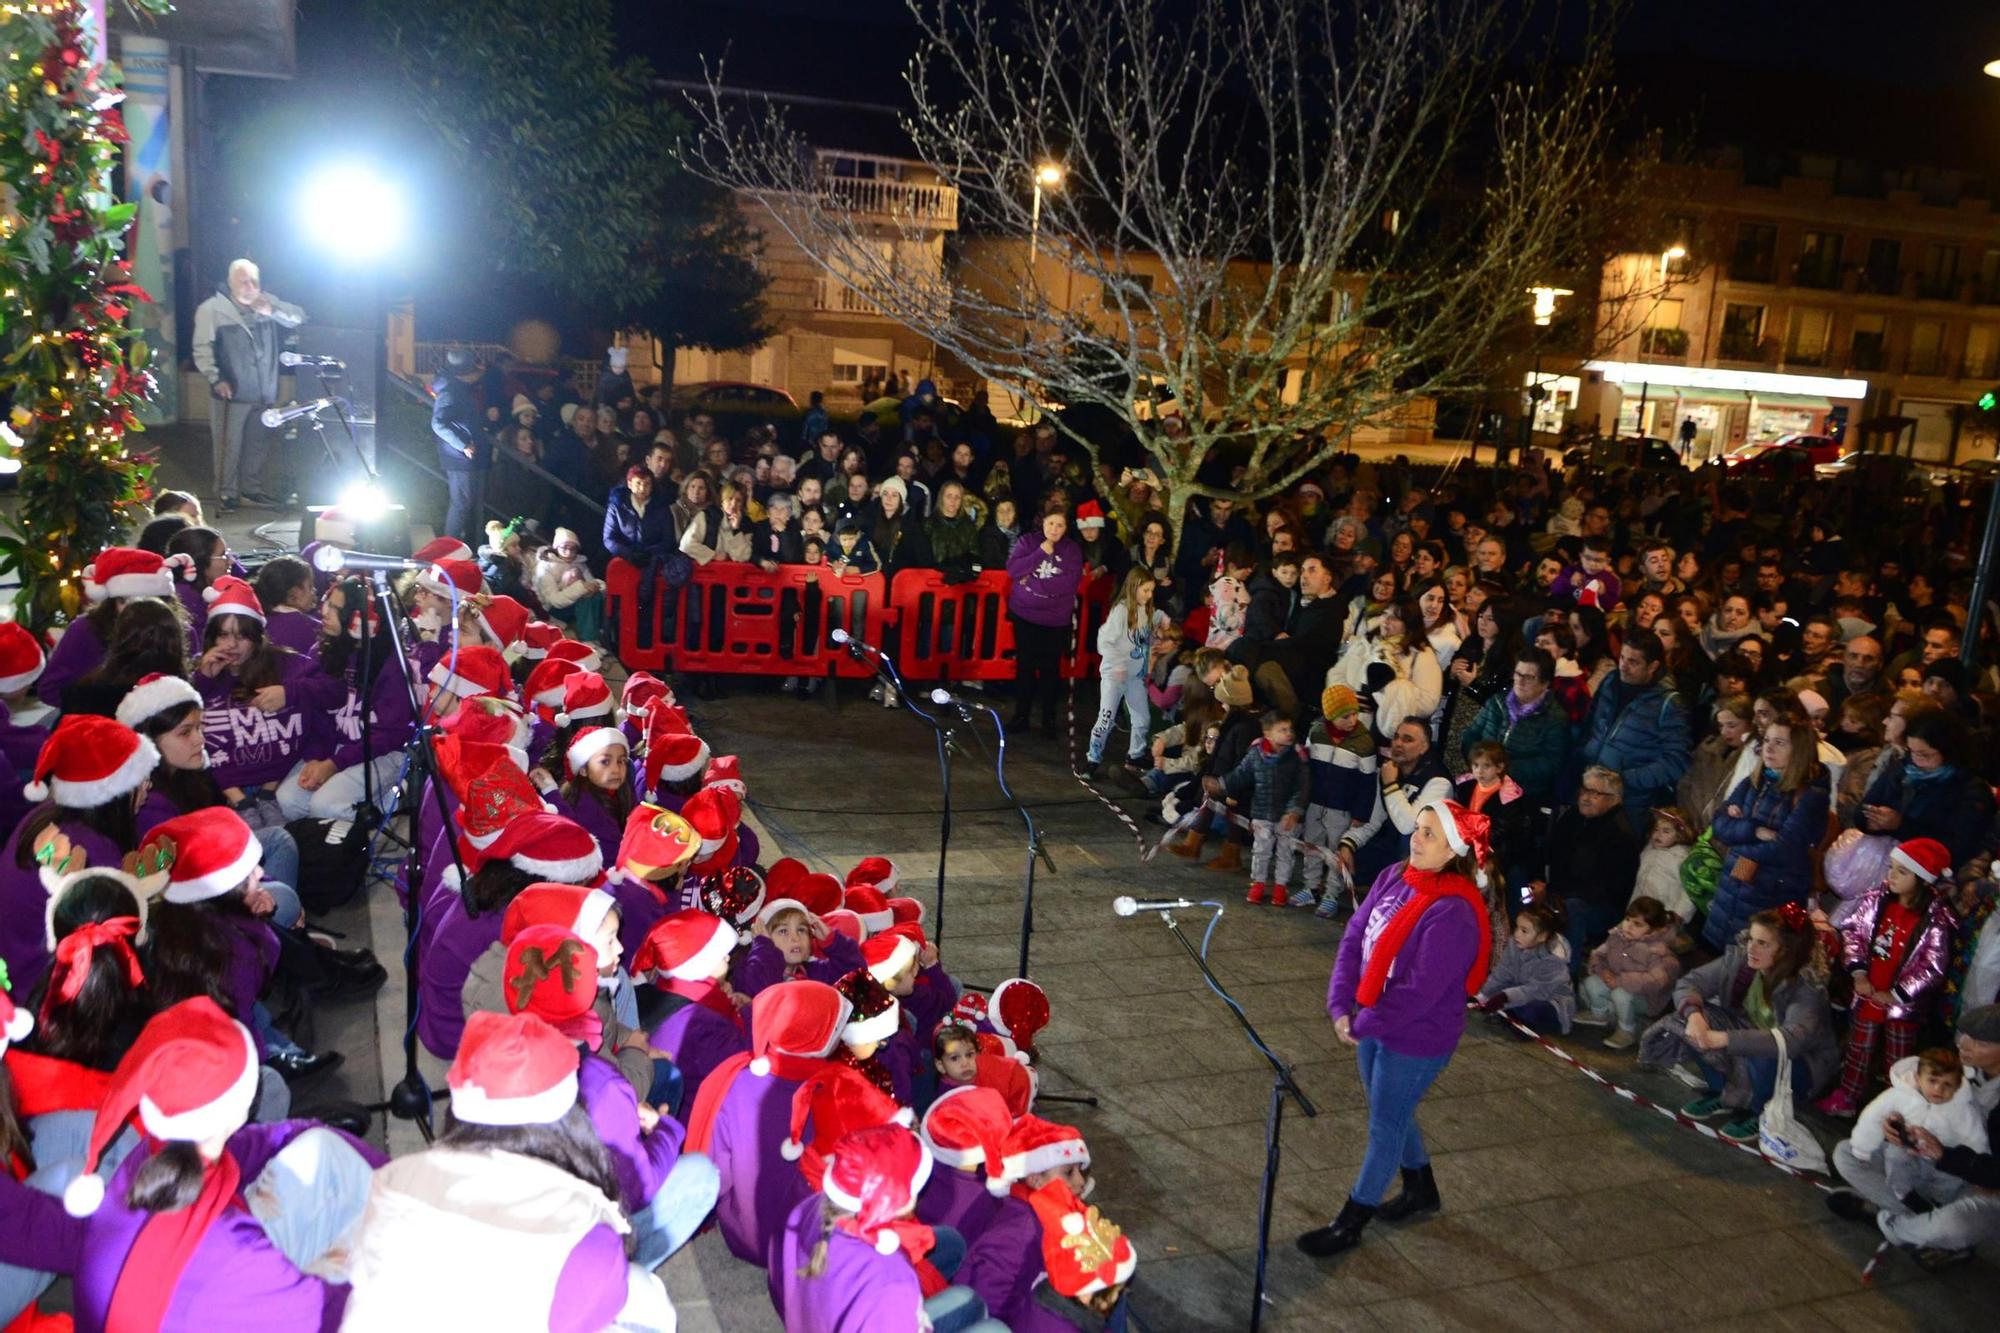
734, 394
1643, 452
1767, 459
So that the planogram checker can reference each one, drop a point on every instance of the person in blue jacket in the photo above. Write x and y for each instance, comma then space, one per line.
1768, 831
465, 453
1638, 725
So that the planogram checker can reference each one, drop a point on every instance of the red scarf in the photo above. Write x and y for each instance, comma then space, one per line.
1428, 887
163, 1250
707, 994
913, 1238
43, 1084
708, 1101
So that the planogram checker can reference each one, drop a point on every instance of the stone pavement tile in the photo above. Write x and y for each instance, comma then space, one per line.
1134, 1110
1373, 1271
1764, 1270
1849, 1245
1477, 1120
1305, 1146
1320, 1191
1334, 1084
1454, 1248
1307, 1315
1623, 1220
1622, 1293
1223, 1214
739, 1297
1157, 1233
1601, 1158
1736, 1205
1493, 1307
1191, 1293
1493, 1177
1954, 1301
1311, 1031
1117, 1060
1225, 1051
1484, 1067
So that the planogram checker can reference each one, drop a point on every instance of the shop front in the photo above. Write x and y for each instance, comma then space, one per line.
1728, 407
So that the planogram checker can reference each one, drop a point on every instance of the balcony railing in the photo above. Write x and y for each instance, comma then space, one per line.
933, 206
833, 294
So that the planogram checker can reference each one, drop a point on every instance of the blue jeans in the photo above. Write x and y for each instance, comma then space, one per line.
281, 863
1763, 1075
466, 490
665, 1094
1588, 924
1395, 1084
686, 1198
1539, 1015
1130, 690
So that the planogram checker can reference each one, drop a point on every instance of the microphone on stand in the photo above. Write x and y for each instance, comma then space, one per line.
307, 359
278, 416
946, 699
332, 560
1125, 906
856, 649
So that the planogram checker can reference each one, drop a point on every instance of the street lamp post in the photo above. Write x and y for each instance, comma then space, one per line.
1048, 176
1544, 310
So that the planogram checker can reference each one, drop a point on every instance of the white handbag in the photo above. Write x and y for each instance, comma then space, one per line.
1780, 1134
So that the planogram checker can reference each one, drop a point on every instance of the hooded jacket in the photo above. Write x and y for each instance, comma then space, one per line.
240, 346
1923, 963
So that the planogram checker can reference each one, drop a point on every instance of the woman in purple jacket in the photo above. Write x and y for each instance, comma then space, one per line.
1043, 571
333, 787
1414, 951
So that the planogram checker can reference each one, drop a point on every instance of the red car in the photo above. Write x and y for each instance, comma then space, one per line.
1817, 449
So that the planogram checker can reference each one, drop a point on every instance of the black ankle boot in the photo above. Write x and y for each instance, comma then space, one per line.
1339, 1235
1420, 1195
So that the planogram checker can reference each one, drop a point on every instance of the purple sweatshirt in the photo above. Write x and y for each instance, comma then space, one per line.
763, 966
24, 900
1003, 1246
248, 748
858, 1291
76, 654
759, 1187
1042, 587
292, 629
697, 1039
641, 1160
21, 746
443, 967
1421, 1011
390, 722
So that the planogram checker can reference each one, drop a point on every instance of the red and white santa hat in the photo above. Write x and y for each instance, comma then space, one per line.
1083, 1251
551, 972
673, 757
126, 571
1018, 1010
473, 671
684, 946
334, 526
548, 847
512, 1069
846, 923
486, 720
1926, 858
967, 1128
453, 578
544, 687
868, 902
585, 656
655, 843
838, 1100
796, 1018
589, 743
714, 813
1035, 1145
231, 596
441, 548
907, 911
875, 1176
537, 637
505, 621
89, 761
575, 907
21, 657
1468, 832
722, 772
819, 891
642, 689
191, 1076
875, 1015
493, 800
1012, 1077
585, 696
878, 871
153, 695
204, 854
887, 954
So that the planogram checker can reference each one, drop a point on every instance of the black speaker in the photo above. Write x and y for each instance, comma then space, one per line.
318, 477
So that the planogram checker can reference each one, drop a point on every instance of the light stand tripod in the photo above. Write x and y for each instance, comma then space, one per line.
1283, 1085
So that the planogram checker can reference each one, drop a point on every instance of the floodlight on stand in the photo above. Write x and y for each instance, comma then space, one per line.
364, 503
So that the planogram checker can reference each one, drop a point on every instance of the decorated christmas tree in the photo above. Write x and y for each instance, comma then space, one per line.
72, 374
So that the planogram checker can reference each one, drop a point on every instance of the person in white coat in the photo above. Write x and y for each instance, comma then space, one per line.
1124, 648
1392, 669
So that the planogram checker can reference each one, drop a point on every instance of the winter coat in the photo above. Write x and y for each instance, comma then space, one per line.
1784, 865
1123, 648
1395, 809
1276, 781
1594, 859
1645, 966
1958, 1123
1923, 964
994, 546
1228, 610
1954, 808
955, 544
1042, 585
240, 346
1641, 733
1708, 779
780, 546
1799, 1004
1660, 879
1525, 976
709, 537
1270, 609
552, 589
1421, 1011
636, 538
1413, 692
1511, 813
1537, 745
456, 426
1343, 770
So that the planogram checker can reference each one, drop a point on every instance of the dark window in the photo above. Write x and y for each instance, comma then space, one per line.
1742, 331
1940, 276
1885, 260
1819, 260
1755, 258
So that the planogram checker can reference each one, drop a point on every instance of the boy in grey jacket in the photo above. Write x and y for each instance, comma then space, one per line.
1277, 778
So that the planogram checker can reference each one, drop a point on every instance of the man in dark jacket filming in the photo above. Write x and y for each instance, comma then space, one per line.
237, 333
465, 452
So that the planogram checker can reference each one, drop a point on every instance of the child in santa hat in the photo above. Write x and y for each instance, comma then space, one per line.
652, 858
22, 663
118, 575
852, 1258
789, 940
596, 789
1087, 1256
87, 781
551, 973
210, 1222
512, 1219
697, 1022
873, 1018
954, 1057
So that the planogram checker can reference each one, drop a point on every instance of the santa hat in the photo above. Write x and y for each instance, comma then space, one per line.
551, 973
1083, 1251
537, 637
231, 596
820, 892
544, 687
473, 671
667, 719
1469, 833
846, 923
204, 854
799, 1018
453, 578
642, 688
1010, 1077
1926, 858
656, 842
967, 1128
969, 1009
478, 721
886, 955
504, 620
588, 744
153, 695
334, 526
90, 761
512, 1070
785, 876
878, 871
722, 772
491, 803
462, 761
1035, 1145
907, 911
839, 1100
875, 1016
714, 814
21, 657
1018, 1010
585, 656
1089, 512
684, 946
585, 696
126, 571
868, 903
443, 548
672, 757
191, 1076
548, 847
876, 1175
736, 895
575, 907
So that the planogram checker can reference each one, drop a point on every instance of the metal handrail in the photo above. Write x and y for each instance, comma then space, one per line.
422, 395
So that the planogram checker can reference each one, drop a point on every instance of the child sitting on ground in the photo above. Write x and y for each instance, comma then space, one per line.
781, 949
873, 1018
565, 588
1530, 979
1926, 1091
1631, 975
1274, 775
1340, 753
1660, 863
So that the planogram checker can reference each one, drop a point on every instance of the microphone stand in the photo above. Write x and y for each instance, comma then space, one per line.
1283, 1085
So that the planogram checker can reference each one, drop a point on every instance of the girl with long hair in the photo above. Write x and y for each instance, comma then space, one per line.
148, 636
1124, 647
1769, 829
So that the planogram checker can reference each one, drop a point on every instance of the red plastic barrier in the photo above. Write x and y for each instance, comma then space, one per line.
639, 649
1093, 604
952, 631
738, 619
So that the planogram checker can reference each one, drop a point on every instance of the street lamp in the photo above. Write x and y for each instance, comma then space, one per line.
1992, 68
1048, 176
1668, 256
1544, 309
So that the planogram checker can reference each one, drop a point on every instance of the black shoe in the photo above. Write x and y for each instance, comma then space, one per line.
295, 1065
348, 1117
1917, 1203
1420, 1195
1340, 1235
1850, 1206
1094, 771
349, 974
1935, 1258
228, 504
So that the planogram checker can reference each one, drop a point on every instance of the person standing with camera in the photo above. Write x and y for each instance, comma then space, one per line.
237, 337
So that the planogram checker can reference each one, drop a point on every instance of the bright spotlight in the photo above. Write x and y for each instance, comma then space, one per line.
353, 211
363, 504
